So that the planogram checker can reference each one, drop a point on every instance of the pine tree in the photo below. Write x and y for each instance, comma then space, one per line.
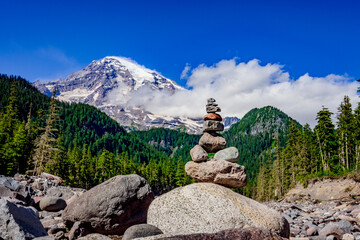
325, 133
16, 150
45, 146
357, 136
8, 127
180, 173
345, 133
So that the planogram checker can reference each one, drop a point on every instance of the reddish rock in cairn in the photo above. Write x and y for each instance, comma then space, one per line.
212, 116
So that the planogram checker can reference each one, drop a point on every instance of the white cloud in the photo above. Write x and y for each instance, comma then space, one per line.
239, 87
185, 72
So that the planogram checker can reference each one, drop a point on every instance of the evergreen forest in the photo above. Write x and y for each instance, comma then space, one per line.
85, 147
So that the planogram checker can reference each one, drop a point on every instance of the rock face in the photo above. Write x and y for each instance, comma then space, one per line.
113, 206
212, 142
17, 222
250, 233
217, 171
198, 154
230, 154
209, 208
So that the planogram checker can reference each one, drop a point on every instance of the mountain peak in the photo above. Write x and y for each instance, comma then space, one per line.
111, 83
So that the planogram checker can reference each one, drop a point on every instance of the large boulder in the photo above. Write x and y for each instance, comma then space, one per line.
212, 142
250, 233
11, 184
18, 222
113, 206
209, 208
15, 189
217, 171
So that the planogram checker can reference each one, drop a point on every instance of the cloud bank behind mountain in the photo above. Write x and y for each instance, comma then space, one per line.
240, 86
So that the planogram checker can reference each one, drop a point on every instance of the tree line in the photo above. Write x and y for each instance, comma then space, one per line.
86, 147
327, 150
74, 141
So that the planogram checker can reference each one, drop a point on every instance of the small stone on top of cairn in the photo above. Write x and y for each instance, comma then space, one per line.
222, 169
212, 119
211, 106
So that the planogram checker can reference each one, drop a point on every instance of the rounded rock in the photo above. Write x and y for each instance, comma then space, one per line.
198, 154
230, 154
94, 236
112, 206
212, 142
141, 230
210, 208
52, 204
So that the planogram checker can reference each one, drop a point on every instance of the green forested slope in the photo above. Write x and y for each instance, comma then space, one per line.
172, 142
83, 144
257, 132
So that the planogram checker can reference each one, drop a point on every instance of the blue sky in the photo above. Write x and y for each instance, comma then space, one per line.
49, 39
295, 55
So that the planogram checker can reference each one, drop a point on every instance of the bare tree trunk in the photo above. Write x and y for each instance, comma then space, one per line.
341, 151
346, 153
321, 153
356, 158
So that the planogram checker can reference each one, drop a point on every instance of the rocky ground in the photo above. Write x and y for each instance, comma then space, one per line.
40, 207
325, 220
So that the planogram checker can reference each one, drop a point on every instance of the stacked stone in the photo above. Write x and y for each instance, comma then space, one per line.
222, 168
211, 141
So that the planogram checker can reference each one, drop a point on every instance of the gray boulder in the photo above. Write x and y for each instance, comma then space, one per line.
141, 230
52, 204
112, 206
250, 233
45, 238
212, 142
213, 126
12, 188
17, 222
217, 171
338, 229
230, 154
198, 154
60, 191
79, 229
95, 236
10, 183
210, 208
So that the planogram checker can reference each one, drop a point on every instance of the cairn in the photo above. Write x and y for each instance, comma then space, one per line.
222, 168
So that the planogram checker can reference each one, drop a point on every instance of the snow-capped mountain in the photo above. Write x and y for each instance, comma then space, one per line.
110, 84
